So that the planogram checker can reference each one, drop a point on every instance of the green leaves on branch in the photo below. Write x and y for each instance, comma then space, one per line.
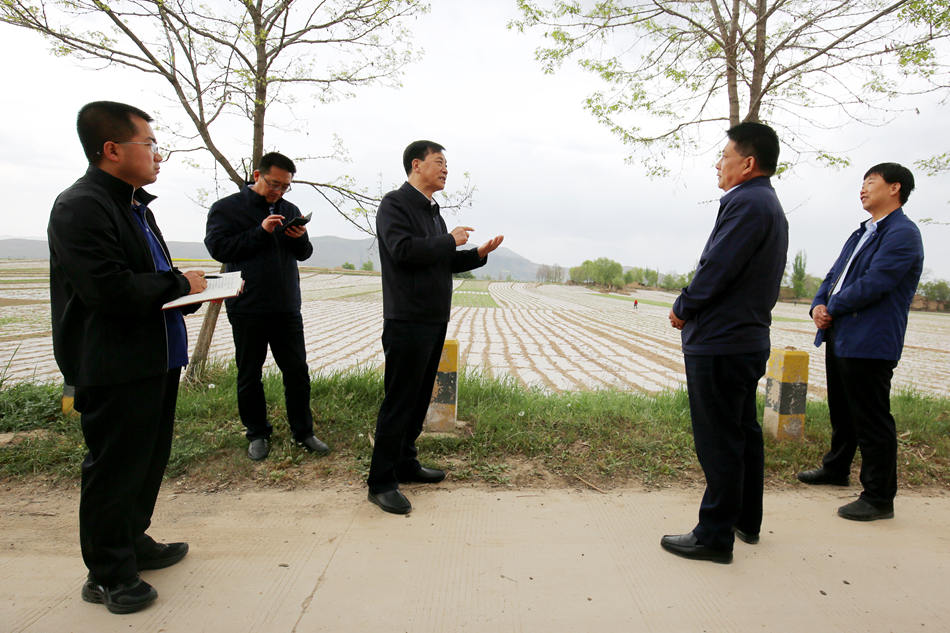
679, 72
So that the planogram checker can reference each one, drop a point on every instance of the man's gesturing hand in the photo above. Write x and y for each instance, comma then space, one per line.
460, 233
821, 317
197, 280
271, 222
490, 245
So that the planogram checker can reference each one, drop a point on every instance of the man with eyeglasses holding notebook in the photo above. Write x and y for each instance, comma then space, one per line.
110, 274
251, 232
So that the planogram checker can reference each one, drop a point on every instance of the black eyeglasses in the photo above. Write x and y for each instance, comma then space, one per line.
278, 187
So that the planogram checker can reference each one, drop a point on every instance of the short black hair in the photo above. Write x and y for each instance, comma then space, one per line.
758, 141
274, 159
893, 172
102, 121
419, 149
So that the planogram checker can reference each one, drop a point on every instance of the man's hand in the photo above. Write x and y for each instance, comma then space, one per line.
821, 317
460, 233
197, 280
271, 222
296, 231
676, 322
490, 245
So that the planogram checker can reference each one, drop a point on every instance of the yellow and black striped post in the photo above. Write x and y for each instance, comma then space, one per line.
69, 394
786, 391
445, 392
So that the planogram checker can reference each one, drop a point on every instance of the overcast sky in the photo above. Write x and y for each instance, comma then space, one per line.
549, 178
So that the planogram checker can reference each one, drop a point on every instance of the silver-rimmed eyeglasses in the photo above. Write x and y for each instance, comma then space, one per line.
276, 187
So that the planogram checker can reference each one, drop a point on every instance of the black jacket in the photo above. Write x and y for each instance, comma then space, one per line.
267, 261
105, 295
728, 304
418, 257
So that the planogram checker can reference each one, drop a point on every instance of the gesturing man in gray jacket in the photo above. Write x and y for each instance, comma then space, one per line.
418, 256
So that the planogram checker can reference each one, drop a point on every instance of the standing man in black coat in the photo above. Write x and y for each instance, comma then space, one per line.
725, 315
418, 256
110, 273
245, 231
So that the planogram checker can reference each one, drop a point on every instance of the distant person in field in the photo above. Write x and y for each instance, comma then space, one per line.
861, 313
725, 314
244, 232
110, 273
418, 257
636, 305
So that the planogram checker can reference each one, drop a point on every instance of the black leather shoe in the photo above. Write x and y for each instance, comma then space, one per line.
134, 594
746, 537
313, 445
687, 546
393, 502
861, 510
423, 476
258, 450
161, 556
821, 477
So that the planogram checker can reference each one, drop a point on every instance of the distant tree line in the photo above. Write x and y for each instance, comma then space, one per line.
937, 290
550, 274
609, 273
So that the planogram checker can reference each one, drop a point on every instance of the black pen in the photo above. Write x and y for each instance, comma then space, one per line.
212, 276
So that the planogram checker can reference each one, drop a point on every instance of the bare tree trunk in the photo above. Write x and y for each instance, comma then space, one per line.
758, 61
196, 368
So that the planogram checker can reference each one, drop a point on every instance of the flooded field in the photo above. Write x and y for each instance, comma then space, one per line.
557, 337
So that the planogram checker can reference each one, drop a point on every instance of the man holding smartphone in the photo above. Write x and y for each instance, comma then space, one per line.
246, 232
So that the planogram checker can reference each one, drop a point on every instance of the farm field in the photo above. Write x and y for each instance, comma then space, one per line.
551, 336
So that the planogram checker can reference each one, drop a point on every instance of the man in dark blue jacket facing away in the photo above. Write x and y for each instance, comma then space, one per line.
725, 315
861, 314
418, 256
243, 231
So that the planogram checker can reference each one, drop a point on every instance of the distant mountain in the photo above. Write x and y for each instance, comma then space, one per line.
328, 252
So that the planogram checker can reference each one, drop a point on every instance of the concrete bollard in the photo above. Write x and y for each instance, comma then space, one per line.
442, 412
69, 394
786, 390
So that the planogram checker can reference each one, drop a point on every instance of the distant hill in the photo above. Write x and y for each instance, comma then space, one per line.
328, 252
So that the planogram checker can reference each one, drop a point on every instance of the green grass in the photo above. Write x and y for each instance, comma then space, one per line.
646, 301
778, 319
472, 285
16, 272
473, 300
513, 434
24, 281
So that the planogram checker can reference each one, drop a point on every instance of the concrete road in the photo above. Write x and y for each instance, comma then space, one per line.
480, 559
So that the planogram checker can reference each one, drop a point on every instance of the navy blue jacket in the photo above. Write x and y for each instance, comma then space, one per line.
728, 304
267, 261
870, 311
105, 294
418, 257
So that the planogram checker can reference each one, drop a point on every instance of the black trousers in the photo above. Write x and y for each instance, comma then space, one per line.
859, 401
413, 351
128, 431
729, 444
283, 332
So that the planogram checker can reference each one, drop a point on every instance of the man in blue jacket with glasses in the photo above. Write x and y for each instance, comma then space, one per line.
861, 313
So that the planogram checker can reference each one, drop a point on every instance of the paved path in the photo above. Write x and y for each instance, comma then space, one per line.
478, 560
